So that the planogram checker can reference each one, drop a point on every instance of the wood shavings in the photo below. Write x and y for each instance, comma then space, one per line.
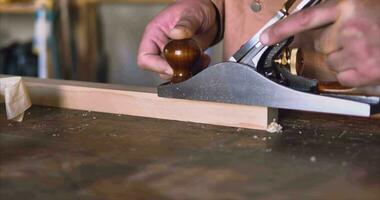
274, 127
342, 134
15, 96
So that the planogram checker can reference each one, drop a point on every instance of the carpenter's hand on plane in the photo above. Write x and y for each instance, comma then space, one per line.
350, 37
183, 19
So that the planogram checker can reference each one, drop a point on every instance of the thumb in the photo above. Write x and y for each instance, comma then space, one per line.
185, 28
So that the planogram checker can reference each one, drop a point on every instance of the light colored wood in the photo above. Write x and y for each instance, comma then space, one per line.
144, 102
13, 8
24, 8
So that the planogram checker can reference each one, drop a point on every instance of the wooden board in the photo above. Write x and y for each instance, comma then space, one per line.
144, 102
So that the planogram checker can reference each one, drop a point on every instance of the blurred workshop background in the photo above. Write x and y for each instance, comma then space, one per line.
87, 40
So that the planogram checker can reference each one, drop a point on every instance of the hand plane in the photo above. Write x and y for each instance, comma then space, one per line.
268, 76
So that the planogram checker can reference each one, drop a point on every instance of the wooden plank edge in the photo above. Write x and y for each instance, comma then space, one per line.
144, 102
18, 8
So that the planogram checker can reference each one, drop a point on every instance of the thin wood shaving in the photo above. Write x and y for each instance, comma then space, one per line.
274, 127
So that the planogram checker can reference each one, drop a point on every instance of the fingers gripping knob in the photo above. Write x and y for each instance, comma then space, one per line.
182, 56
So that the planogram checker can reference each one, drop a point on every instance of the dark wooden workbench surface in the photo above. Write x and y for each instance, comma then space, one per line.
65, 154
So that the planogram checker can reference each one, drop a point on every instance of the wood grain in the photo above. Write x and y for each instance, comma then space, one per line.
144, 102
124, 157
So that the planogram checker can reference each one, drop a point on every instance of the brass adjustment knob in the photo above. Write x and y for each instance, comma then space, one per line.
292, 60
182, 56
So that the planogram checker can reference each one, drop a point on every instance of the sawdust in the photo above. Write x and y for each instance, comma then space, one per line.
274, 127
80, 127
239, 129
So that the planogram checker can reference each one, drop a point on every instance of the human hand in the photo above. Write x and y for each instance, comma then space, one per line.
184, 19
350, 37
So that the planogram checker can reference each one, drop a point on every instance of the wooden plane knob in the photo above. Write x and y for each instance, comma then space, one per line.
182, 56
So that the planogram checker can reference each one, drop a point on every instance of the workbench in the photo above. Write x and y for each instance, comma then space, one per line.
69, 154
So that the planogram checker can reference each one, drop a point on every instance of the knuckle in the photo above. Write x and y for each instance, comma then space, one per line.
324, 47
330, 62
350, 81
318, 46
141, 62
305, 18
325, 44
342, 80
276, 32
151, 25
